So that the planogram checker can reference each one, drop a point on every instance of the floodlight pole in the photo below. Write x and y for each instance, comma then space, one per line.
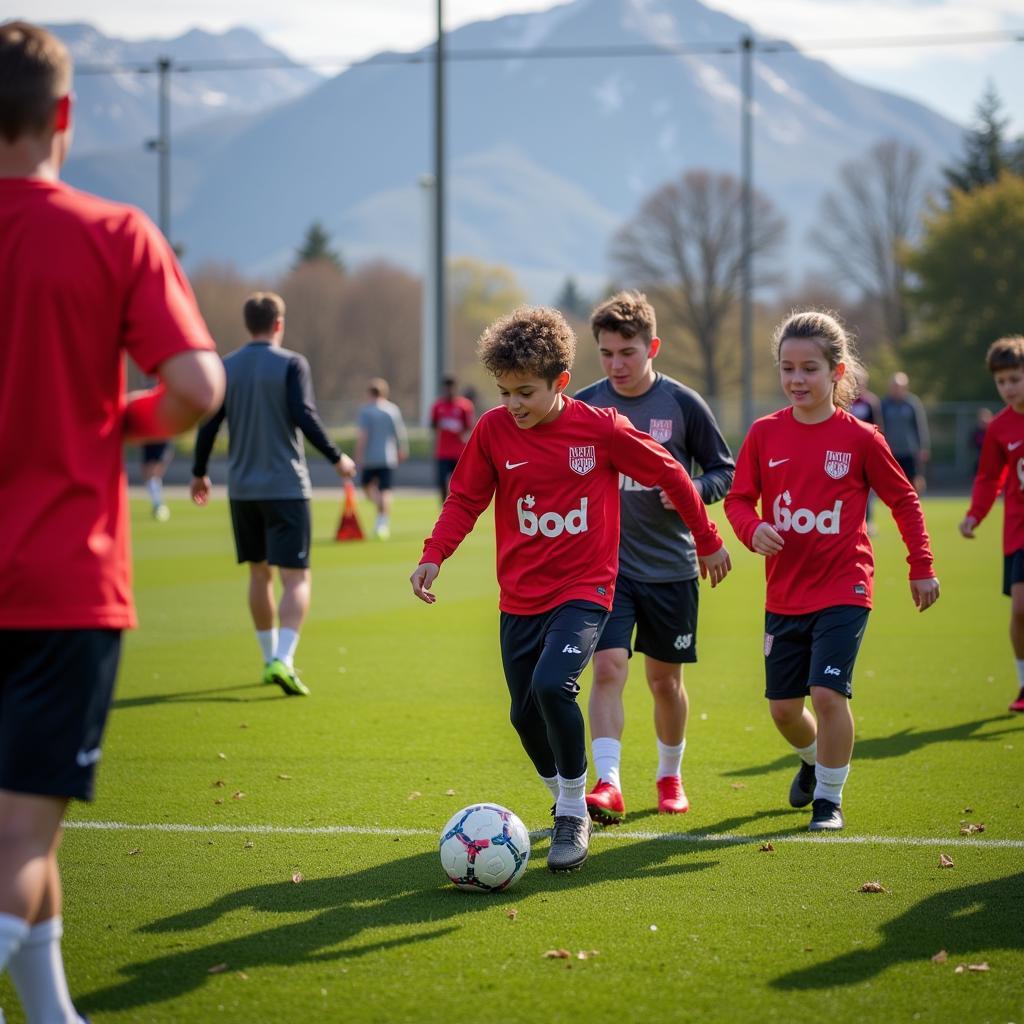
440, 275
161, 145
747, 233
428, 337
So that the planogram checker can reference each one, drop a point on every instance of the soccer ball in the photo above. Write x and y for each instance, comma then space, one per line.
484, 848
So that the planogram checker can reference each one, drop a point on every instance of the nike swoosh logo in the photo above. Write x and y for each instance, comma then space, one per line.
515, 465
84, 758
772, 463
1016, 444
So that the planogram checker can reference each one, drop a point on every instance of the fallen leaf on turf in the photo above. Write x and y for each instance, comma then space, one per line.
979, 967
219, 784
449, 792
238, 795
586, 954
971, 828
941, 957
283, 776
512, 914
415, 795
557, 954
959, 969
223, 756
766, 848
217, 969
243, 725
968, 810
248, 845
218, 801
243, 975
808, 949
944, 861
739, 785
134, 850
872, 887
297, 877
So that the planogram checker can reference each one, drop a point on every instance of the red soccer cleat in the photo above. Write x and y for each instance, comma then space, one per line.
604, 804
1018, 704
672, 796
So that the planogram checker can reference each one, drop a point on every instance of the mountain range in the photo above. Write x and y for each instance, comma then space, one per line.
547, 155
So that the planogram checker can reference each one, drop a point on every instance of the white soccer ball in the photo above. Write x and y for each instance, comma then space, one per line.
484, 848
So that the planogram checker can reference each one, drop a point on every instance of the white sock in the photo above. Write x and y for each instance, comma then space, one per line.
37, 970
287, 641
607, 757
808, 754
268, 643
1020, 671
829, 784
552, 785
571, 800
156, 491
12, 934
670, 758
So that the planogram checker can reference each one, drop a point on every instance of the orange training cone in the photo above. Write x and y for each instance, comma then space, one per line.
348, 525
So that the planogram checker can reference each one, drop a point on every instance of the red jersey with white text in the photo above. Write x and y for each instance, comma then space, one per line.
812, 481
451, 418
556, 502
1001, 467
84, 282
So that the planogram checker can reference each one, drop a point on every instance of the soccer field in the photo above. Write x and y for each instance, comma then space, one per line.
252, 857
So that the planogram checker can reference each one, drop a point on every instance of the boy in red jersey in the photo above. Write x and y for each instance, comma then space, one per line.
1001, 467
811, 466
85, 281
552, 466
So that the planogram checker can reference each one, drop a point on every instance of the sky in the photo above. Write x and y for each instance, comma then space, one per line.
948, 78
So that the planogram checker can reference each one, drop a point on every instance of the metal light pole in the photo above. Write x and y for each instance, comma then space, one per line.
161, 145
440, 270
747, 234
428, 332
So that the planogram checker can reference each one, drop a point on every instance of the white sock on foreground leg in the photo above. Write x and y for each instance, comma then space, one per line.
287, 641
268, 643
37, 970
829, 782
607, 757
808, 754
571, 800
670, 758
12, 934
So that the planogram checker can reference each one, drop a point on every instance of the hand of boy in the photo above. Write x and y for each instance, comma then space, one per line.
766, 541
422, 577
715, 567
200, 489
924, 592
967, 527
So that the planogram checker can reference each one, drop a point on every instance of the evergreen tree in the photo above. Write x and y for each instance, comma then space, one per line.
571, 301
317, 246
987, 151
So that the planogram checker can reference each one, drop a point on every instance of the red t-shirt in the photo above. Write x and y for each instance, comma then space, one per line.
813, 481
451, 418
556, 507
84, 281
1001, 466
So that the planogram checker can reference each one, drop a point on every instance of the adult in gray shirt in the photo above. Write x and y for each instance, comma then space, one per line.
382, 444
268, 403
656, 590
906, 429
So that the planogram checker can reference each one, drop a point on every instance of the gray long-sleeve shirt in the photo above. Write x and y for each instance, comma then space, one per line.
269, 400
654, 544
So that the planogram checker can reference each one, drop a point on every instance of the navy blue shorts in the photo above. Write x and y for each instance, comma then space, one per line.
381, 475
1013, 569
817, 649
156, 451
665, 617
277, 531
56, 686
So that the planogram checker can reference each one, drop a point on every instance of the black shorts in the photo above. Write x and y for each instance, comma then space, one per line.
445, 468
1013, 569
56, 686
381, 475
156, 451
817, 649
665, 617
908, 463
276, 530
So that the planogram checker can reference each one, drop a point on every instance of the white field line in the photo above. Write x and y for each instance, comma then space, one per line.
668, 837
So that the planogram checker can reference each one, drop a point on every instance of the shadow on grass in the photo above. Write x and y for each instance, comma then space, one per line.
974, 919
333, 912
906, 741
213, 695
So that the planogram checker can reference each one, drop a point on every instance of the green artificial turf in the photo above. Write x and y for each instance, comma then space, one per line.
688, 918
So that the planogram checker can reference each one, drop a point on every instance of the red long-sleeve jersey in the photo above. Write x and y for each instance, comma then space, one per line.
556, 503
812, 481
1001, 467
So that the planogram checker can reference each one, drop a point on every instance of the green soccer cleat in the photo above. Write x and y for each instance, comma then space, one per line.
279, 673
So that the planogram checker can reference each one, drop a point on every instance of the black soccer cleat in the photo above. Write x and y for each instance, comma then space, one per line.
826, 816
801, 792
570, 843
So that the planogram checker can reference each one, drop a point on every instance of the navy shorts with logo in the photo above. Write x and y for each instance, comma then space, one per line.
817, 649
56, 686
381, 475
276, 530
543, 656
665, 617
1013, 569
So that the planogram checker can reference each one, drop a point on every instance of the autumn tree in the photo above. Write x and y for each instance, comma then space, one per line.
684, 247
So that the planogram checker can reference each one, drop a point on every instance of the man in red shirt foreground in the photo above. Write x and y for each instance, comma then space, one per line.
552, 466
85, 281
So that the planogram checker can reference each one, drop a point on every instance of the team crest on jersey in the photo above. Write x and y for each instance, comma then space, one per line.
661, 430
582, 460
837, 464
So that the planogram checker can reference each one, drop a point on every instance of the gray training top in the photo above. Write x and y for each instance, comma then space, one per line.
269, 400
385, 433
654, 545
